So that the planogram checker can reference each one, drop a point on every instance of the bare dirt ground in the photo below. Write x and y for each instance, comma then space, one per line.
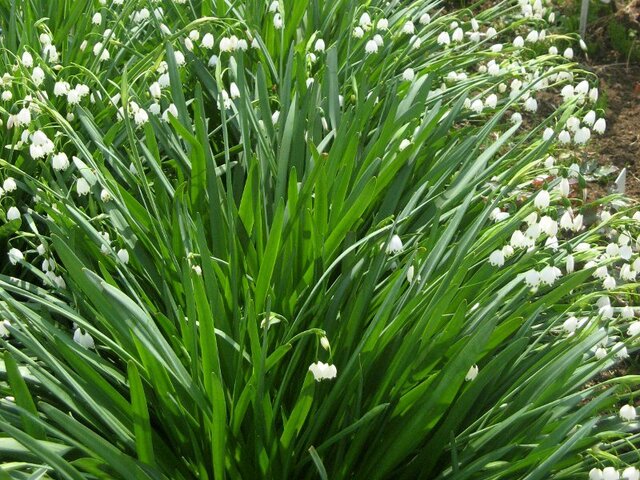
620, 146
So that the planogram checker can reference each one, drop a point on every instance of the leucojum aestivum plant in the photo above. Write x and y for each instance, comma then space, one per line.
307, 239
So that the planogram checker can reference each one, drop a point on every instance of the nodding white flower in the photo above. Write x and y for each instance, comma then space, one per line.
123, 256
378, 39
323, 371
621, 351
593, 95
425, 18
9, 185
542, 200
154, 109
105, 195
277, 21
60, 161
601, 272
491, 101
533, 231
22, 118
577, 223
15, 256
324, 342
61, 88
547, 134
549, 226
74, 96
507, 251
600, 353
444, 39
627, 312
155, 90
612, 250
83, 339
472, 373
600, 126
457, 35
404, 144
582, 87
13, 214
564, 137
630, 473
27, 59
609, 283
358, 32
628, 413
532, 278
411, 271
564, 188
40, 146
226, 45
234, 91
382, 24
274, 6
319, 46
531, 104
518, 42
408, 74
213, 61
141, 116
194, 35
82, 187
497, 258
179, 57
497, 48
549, 275
493, 68
519, 240
568, 53
582, 136
570, 324
516, 118
365, 21
634, 329
99, 48
570, 263
96, 19
38, 76
627, 274
45, 39
243, 45
532, 37
208, 41
7, 95
573, 124
477, 106
567, 92
610, 473
408, 28
498, 215
171, 110
371, 46
625, 252
395, 245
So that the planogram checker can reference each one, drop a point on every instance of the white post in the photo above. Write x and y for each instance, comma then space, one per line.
584, 14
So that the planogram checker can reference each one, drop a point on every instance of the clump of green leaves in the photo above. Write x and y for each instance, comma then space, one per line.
293, 203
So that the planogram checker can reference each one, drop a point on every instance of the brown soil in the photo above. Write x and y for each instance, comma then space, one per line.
620, 145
